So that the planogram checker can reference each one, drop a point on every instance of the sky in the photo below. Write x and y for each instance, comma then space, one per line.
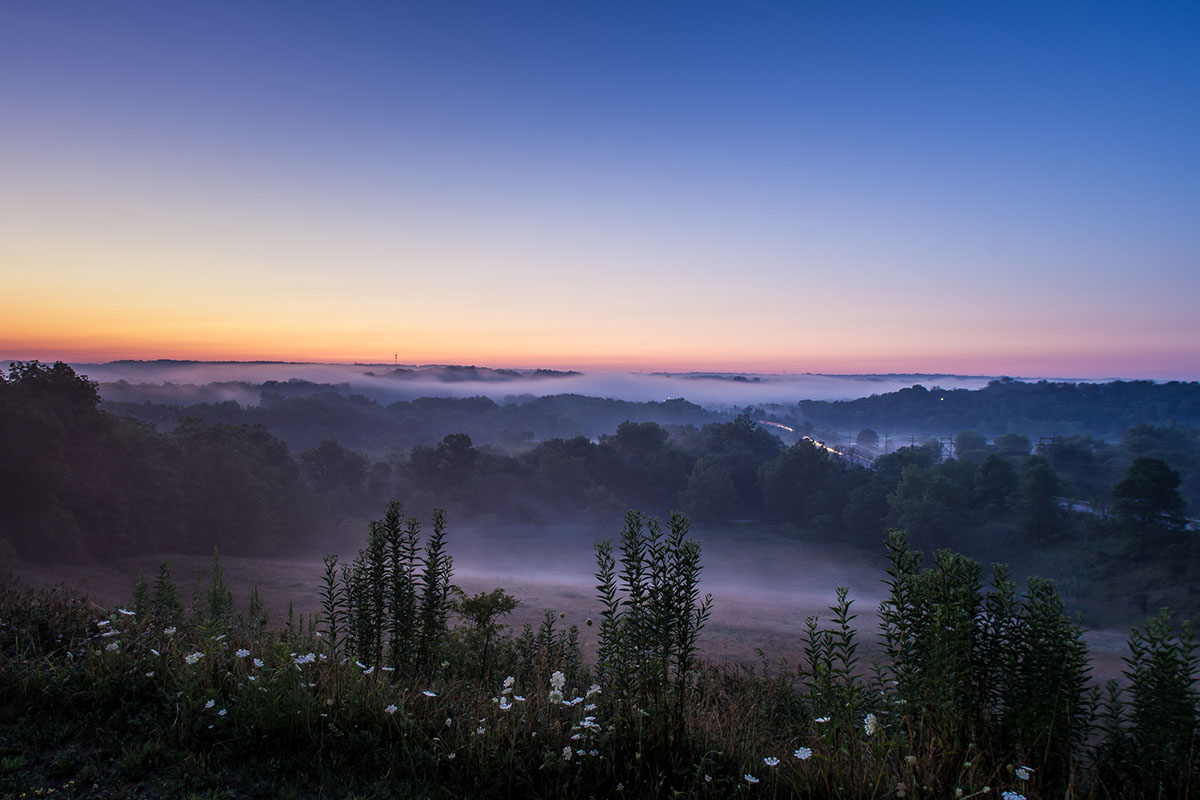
974, 188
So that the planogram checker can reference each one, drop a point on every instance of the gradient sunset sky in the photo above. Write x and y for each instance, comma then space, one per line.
985, 188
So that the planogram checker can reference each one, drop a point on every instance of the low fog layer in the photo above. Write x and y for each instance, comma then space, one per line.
386, 382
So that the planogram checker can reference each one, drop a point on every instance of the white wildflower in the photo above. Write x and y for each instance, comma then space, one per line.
567, 752
1011, 796
252, 678
193, 658
771, 761
222, 712
152, 650
505, 703
127, 612
558, 680
391, 709
113, 647
803, 753
480, 731
518, 698
555, 697
218, 638
258, 662
169, 631
821, 720
870, 725
594, 689
150, 674
242, 653
106, 634
449, 721
103, 623
369, 671
750, 778
1024, 773
428, 693
210, 704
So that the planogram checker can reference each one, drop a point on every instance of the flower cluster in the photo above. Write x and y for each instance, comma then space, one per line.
557, 682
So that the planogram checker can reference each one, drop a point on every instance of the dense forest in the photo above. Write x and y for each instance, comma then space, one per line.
1043, 408
304, 414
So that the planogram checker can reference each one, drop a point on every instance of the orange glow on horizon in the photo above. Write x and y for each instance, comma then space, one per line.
66, 346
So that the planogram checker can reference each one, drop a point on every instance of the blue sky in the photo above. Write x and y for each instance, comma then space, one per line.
1003, 188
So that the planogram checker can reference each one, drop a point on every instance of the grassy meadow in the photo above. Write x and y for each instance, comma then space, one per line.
402, 685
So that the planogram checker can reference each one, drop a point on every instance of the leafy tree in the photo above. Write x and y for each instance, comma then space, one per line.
929, 501
330, 466
801, 483
1040, 515
482, 611
1148, 496
867, 438
995, 486
710, 495
1012, 445
970, 446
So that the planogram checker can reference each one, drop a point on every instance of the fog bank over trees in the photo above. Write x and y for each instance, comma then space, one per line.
390, 382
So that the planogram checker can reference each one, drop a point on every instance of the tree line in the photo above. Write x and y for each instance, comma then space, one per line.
1041, 408
86, 483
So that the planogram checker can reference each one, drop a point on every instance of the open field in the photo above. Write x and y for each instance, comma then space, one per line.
764, 584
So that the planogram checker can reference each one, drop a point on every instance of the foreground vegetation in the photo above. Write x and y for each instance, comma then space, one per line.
401, 686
